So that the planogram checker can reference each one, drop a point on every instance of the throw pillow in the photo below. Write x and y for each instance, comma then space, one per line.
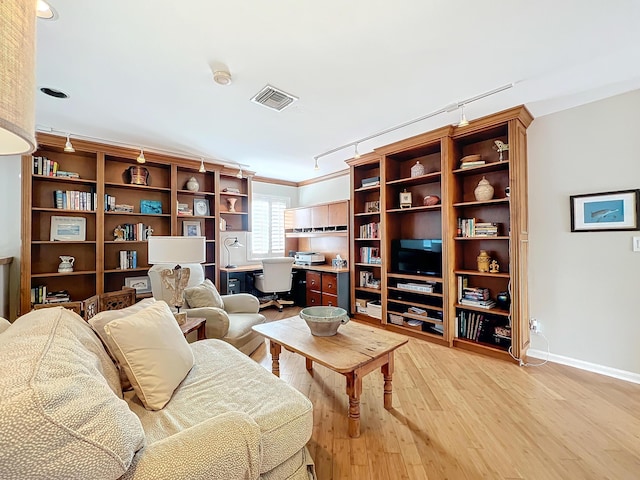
4, 324
153, 352
203, 295
98, 322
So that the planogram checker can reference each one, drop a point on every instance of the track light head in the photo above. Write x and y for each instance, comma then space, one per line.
141, 158
316, 166
239, 174
357, 153
68, 147
463, 119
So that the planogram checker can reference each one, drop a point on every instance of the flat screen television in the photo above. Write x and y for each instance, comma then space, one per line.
421, 256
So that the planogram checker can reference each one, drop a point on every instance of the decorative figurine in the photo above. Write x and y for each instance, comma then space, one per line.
494, 266
148, 232
138, 175
483, 261
118, 233
66, 265
405, 199
417, 170
501, 147
430, 200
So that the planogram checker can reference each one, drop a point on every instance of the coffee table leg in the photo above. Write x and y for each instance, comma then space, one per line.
275, 357
387, 373
354, 389
309, 364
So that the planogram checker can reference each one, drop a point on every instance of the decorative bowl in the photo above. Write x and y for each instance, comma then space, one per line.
324, 321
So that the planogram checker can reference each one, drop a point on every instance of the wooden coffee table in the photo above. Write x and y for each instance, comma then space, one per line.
354, 351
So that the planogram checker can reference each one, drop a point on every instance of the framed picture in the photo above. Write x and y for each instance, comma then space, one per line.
68, 229
141, 284
607, 211
151, 206
191, 229
201, 207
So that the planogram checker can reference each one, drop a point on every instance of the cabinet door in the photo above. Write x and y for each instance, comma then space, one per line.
329, 283
314, 281
314, 298
338, 213
302, 218
320, 216
329, 300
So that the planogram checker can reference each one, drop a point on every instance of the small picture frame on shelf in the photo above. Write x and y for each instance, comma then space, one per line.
151, 206
68, 229
141, 284
201, 207
608, 211
191, 229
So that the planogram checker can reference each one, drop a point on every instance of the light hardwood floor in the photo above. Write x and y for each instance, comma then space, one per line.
458, 415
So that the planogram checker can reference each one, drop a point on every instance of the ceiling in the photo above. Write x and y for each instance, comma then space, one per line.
139, 73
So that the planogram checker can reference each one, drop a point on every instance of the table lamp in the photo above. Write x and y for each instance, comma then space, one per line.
176, 250
234, 244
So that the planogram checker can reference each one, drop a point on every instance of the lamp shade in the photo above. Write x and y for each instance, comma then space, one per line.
17, 77
176, 250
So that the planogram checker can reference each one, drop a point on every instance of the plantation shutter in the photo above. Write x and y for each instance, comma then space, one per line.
267, 216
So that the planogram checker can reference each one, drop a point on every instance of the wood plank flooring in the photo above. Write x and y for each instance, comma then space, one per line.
458, 415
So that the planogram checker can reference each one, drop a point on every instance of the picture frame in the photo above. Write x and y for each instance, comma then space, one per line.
191, 229
141, 284
68, 229
151, 206
201, 207
607, 211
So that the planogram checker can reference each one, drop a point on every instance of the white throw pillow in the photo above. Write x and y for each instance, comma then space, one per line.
4, 324
203, 295
153, 352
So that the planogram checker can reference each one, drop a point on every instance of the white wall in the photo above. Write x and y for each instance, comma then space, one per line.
331, 190
277, 190
583, 286
10, 204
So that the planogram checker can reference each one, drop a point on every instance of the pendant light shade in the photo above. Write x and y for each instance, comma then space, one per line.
17, 77
202, 169
141, 158
68, 147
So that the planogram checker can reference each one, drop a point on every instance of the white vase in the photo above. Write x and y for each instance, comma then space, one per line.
231, 204
66, 265
484, 190
193, 185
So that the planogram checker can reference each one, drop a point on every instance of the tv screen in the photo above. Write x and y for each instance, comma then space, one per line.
421, 256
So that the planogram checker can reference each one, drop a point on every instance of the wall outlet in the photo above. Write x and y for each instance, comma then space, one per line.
636, 244
534, 325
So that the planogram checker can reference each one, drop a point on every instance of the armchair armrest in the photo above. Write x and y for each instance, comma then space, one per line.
226, 446
217, 324
241, 303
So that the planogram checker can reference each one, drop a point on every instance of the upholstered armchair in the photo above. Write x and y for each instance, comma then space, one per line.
229, 317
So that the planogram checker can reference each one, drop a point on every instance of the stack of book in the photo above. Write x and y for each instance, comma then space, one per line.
471, 161
469, 227
477, 297
370, 182
184, 210
57, 297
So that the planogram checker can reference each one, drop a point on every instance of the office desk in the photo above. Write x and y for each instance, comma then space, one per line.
312, 284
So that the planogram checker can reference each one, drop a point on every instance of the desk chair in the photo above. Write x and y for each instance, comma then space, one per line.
276, 277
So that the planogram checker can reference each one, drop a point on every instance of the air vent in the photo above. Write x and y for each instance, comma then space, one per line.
273, 98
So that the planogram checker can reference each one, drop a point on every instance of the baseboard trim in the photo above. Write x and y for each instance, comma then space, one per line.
582, 365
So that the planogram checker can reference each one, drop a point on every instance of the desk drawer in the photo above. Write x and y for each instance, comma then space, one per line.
330, 283
314, 299
314, 281
329, 300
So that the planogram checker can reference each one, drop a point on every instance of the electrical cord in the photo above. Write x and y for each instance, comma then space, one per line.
526, 364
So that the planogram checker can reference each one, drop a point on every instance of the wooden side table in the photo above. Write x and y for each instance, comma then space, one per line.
195, 323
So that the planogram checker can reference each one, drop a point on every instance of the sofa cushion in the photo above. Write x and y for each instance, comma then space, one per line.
153, 352
60, 413
212, 387
203, 295
4, 324
98, 322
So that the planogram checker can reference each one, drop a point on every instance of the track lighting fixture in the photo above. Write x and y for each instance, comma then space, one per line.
202, 169
316, 166
68, 147
357, 153
463, 120
141, 158
239, 174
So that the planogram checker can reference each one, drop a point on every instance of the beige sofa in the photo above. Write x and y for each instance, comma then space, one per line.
63, 414
230, 320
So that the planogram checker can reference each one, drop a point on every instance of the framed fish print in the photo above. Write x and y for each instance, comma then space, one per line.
609, 211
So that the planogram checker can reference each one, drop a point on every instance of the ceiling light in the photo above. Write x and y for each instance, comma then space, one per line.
463, 120
17, 77
239, 174
45, 11
357, 153
141, 158
202, 169
68, 147
222, 77
316, 167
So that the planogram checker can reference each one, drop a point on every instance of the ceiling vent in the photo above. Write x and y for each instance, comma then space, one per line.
273, 98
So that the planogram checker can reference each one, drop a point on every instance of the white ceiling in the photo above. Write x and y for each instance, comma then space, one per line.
139, 72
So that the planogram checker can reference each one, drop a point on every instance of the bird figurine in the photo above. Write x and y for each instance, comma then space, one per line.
501, 147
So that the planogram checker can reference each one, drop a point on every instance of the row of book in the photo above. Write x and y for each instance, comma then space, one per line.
128, 259
372, 206
370, 255
469, 227
133, 232
476, 326
370, 230
50, 168
39, 294
75, 200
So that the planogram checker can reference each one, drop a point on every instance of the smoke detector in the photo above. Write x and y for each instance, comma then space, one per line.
273, 98
222, 77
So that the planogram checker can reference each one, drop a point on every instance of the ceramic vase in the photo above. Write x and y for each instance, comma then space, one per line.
66, 265
193, 185
231, 204
483, 261
484, 190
